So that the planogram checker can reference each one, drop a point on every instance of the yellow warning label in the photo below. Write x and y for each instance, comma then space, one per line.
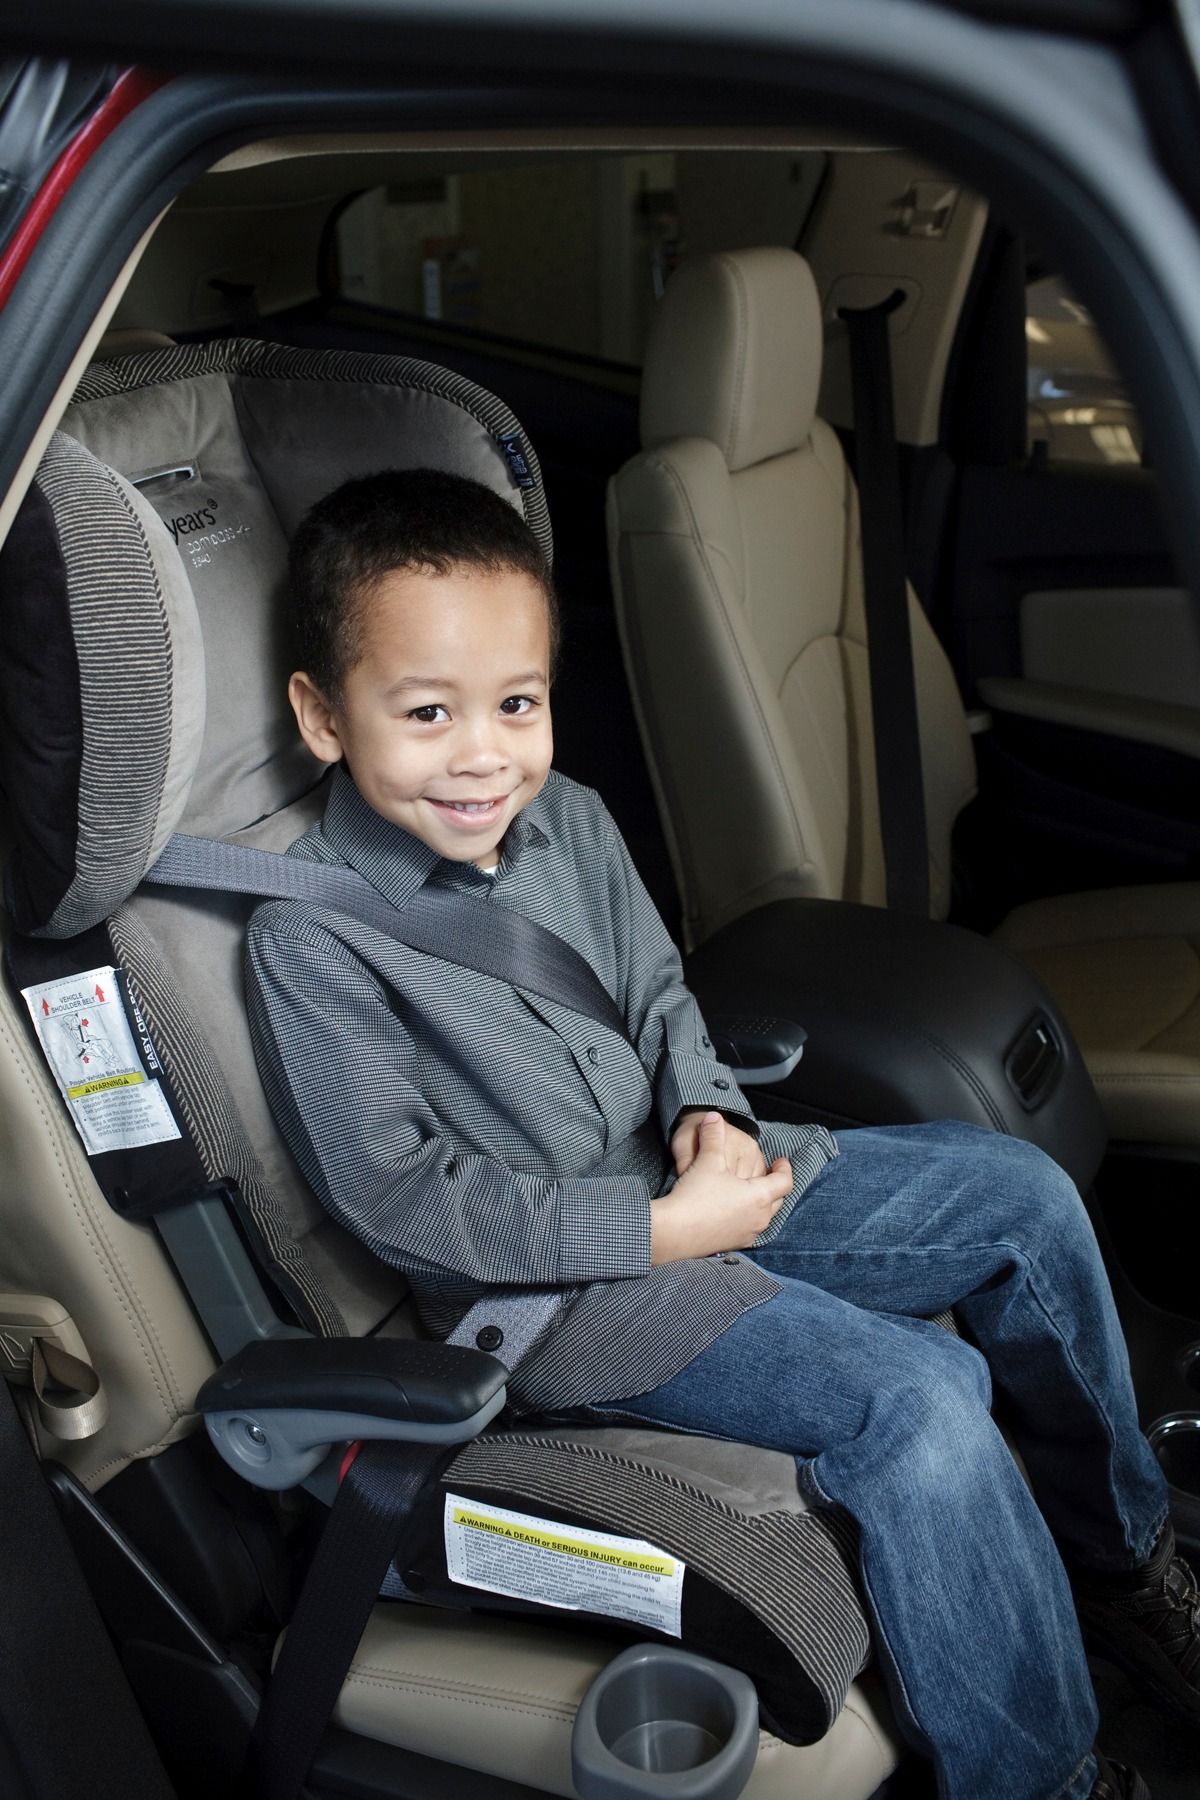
506, 1552
131, 1078
565, 1545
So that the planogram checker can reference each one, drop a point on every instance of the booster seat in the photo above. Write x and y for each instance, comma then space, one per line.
142, 691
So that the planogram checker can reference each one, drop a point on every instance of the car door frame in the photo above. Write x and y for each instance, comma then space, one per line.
1047, 125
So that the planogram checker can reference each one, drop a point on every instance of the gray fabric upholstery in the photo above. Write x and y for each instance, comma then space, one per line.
184, 956
241, 438
142, 718
731, 1511
467, 453
234, 556
186, 715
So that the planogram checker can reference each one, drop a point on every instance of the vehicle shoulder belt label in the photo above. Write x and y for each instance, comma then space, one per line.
513, 1553
107, 1076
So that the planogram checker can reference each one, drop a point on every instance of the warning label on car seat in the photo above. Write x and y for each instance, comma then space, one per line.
115, 1100
513, 1553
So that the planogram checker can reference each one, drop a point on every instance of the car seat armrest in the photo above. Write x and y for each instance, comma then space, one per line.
757, 1047
277, 1408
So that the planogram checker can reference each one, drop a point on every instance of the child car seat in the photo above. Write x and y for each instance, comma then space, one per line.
142, 690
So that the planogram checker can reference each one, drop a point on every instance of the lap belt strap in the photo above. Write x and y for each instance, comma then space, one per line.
898, 773
490, 939
362, 1534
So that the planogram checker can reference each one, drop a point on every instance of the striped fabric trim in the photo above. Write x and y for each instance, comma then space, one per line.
248, 356
210, 1115
123, 650
792, 1570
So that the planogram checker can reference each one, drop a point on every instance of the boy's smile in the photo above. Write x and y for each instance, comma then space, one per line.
444, 721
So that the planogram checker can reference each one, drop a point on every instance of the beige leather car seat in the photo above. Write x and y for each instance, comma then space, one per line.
159, 519
737, 569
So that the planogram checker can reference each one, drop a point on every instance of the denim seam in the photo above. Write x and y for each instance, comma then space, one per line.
1072, 1778
1030, 1267
1021, 1256
809, 1485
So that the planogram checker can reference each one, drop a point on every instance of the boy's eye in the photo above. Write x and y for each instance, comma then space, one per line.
427, 715
516, 704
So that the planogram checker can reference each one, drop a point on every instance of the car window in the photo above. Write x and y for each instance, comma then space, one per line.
1077, 404
568, 253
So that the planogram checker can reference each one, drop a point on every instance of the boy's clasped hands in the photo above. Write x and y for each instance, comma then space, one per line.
725, 1194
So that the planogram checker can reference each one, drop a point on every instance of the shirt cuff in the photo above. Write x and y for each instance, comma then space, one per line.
686, 1080
604, 1228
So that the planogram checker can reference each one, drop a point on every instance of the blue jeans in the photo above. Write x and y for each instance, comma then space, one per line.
888, 1416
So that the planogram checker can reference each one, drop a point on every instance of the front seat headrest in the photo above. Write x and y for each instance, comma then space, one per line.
735, 355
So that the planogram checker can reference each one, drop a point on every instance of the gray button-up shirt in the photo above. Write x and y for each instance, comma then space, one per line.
453, 1122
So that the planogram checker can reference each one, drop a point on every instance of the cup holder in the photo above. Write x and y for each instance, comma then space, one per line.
660, 1721
1175, 1441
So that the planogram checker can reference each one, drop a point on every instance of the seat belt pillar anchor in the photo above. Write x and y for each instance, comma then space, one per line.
41, 1347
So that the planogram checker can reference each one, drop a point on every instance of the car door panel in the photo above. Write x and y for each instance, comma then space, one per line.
1066, 625
1139, 642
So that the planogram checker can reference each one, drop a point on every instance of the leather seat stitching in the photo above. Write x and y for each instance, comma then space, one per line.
110, 1260
1149, 1080
739, 370
738, 659
467, 1696
817, 726
1192, 1006
868, 1725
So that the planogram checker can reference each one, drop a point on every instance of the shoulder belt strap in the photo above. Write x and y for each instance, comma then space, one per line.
489, 939
898, 771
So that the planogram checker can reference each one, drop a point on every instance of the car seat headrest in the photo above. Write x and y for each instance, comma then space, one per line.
735, 355
143, 644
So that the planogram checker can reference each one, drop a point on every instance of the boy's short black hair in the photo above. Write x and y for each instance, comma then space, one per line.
418, 519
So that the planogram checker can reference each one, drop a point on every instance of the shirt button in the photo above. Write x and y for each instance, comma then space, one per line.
593, 1055
729, 1259
707, 1043
721, 1084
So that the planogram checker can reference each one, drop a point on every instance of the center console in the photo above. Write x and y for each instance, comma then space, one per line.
906, 1020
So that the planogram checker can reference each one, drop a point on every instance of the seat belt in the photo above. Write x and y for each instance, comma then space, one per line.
374, 1503
489, 939
898, 772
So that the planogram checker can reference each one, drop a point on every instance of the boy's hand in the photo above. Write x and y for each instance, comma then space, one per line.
710, 1208
742, 1153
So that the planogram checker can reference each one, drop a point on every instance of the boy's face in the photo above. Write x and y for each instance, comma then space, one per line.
444, 721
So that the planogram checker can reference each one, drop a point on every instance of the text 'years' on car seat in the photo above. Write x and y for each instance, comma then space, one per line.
142, 667
736, 559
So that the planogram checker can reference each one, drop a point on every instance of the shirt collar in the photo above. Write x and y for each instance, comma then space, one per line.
392, 859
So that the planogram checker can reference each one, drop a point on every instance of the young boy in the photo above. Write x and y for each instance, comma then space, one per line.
479, 1137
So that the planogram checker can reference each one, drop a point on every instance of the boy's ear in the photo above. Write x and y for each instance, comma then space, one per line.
315, 717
